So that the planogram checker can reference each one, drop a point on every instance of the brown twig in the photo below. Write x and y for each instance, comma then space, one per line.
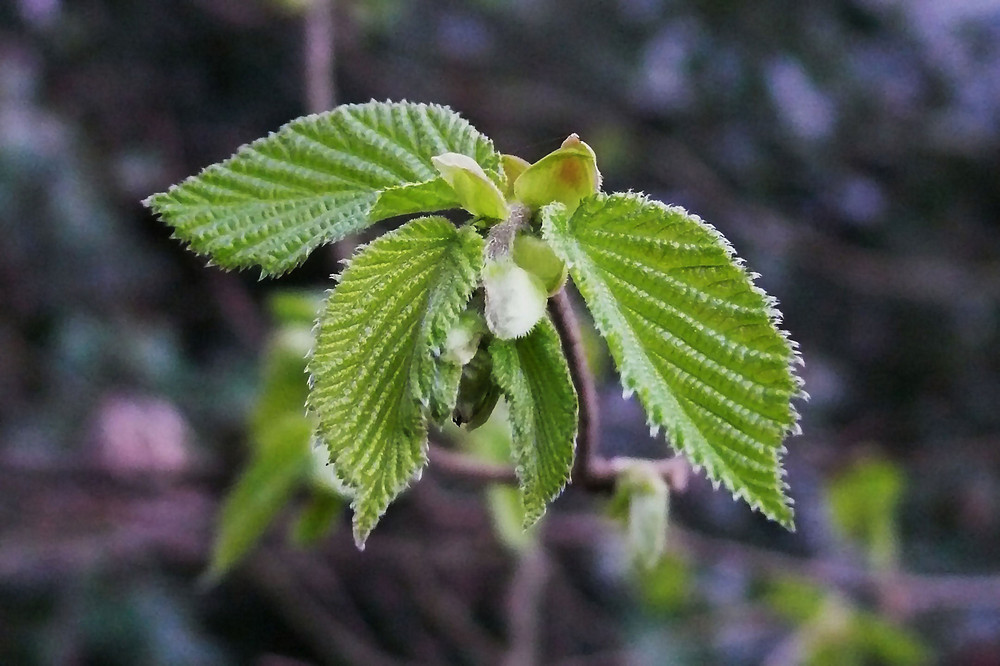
464, 466
566, 324
602, 473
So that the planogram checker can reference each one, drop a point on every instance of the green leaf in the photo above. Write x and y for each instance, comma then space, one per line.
460, 347
478, 392
281, 461
283, 386
428, 196
373, 366
512, 167
315, 521
864, 502
318, 179
443, 393
690, 333
534, 378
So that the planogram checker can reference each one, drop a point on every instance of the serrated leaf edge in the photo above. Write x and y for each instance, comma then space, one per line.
774, 317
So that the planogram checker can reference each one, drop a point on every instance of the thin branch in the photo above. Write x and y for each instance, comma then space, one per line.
902, 594
465, 466
500, 240
589, 429
602, 473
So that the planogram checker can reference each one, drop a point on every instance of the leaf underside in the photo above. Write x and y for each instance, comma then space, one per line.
373, 367
690, 334
534, 378
318, 179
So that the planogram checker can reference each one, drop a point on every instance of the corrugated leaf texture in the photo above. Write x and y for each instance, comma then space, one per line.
373, 366
534, 378
690, 334
318, 179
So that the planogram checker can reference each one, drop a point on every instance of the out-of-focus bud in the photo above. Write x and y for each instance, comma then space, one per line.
535, 256
566, 175
515, 298
477, 392
475, 191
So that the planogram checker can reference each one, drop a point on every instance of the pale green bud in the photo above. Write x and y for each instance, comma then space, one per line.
475, 191
566, 175
515, 299
536, 256
513, 166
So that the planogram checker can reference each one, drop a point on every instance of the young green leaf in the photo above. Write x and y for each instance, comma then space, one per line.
565, 175
512, 167
373, 367
477, 392
318, 179
535, 256
477, 193
534, 378
690, 333
460, 347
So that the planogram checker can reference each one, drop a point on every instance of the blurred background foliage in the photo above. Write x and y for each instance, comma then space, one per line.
850, 149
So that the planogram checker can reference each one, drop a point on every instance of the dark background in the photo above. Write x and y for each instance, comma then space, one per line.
850, 150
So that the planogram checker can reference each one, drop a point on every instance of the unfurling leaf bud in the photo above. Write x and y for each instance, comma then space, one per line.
475, 191
642, 502
566, 175
515, 298
513, 166
535, 256
477, 392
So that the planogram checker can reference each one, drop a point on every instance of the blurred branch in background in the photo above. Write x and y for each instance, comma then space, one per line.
319, 56
93, 515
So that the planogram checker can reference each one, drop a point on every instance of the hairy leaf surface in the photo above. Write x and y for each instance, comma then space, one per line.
318, 179
690, 333
533, 375
373, 367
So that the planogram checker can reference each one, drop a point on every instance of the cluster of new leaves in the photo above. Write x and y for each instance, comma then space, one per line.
436, 320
